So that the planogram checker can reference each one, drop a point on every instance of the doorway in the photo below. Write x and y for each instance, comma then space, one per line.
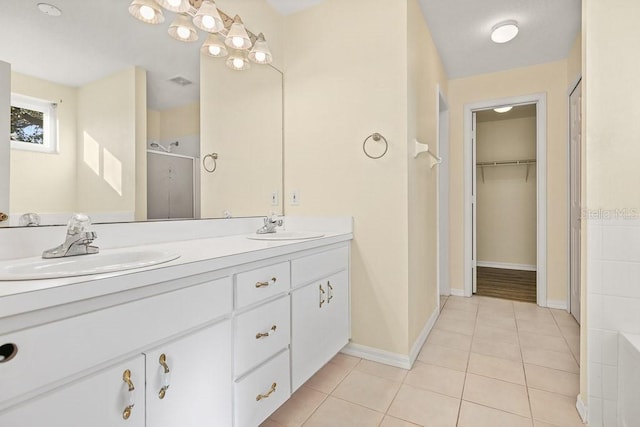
537, 172
575, 196
505, 147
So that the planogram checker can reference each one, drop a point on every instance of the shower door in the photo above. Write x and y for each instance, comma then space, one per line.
170, 186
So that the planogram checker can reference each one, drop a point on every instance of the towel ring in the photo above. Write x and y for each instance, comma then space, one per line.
376, 137
212, 156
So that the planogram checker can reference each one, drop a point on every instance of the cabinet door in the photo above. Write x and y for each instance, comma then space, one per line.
99, 400
320, 325
199, 380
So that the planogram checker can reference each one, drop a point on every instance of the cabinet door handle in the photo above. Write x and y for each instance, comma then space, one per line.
7, 352
166, 376
322, 292
3, 216
266, 334
330, 292
267, 394
265, 284
126, 377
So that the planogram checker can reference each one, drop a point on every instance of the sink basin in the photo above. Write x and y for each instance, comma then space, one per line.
104, 262
286, 235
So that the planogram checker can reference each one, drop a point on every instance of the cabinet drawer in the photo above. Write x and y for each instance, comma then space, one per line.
313, 267
261, 333
56, 350
255, 285
259, 394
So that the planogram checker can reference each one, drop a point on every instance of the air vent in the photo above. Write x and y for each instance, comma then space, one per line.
181, 81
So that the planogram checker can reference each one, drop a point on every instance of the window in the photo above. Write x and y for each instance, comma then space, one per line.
33, 124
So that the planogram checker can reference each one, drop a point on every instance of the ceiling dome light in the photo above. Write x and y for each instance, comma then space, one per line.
178, 6
504, 31
146, 11
261, 54
49, 9
214, 47
503, 109
238, 38
208, 18
181, 29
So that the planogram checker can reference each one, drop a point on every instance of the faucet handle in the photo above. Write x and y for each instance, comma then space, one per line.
78, 223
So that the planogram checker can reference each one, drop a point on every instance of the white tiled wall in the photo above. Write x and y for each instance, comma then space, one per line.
613, 305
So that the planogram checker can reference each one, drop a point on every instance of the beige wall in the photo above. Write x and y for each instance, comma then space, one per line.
241, 120
425, 73
342, 86
179, 122
141, 144
574, 61
506, 199
5, 129
107, 144
551, 79
45, 183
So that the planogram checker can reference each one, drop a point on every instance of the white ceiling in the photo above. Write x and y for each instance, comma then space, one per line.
461, 29
96, 38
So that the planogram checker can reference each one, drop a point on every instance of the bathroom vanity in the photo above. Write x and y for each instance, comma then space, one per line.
220, 336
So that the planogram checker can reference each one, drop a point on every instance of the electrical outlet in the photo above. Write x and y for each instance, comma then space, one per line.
295, 198
275, 199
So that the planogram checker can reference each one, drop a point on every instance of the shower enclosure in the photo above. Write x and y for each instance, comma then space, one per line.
171, 185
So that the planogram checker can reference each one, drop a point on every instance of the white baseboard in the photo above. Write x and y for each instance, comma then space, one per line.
376, 355
394, 359
582, 409
557, 304
506, 265
457, 292
417, 345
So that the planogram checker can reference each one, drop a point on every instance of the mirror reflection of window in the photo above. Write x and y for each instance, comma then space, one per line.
33, 124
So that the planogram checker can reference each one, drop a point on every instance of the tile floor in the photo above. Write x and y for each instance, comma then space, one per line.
487, 362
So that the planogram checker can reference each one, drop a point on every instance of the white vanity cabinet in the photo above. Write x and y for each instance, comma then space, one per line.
320, 311
99, 400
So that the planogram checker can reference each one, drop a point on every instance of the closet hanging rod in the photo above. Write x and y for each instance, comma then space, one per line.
507, 163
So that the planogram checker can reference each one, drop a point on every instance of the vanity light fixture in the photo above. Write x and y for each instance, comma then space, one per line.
503, 109
223, 31
238, 61
504, 31
178, 6
238, 38
208, 18
181, 29
261, 54
214, 47
146, 11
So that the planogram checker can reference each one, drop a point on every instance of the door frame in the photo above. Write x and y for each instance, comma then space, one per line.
572, 87
442, 138
540, 99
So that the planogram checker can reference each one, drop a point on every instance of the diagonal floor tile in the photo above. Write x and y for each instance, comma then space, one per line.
473, 415
493, 367
497, 394
436, 378
367, 390
339, 413
424, 407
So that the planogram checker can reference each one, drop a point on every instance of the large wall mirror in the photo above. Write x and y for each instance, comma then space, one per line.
113, 117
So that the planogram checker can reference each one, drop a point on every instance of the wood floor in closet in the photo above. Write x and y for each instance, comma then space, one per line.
515, 285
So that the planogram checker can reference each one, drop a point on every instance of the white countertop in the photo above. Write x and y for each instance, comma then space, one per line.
196, 257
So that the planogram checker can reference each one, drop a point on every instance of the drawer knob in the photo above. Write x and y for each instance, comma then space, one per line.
166, 376
126, 377
265, 284
267, 394
266, 334
7, 352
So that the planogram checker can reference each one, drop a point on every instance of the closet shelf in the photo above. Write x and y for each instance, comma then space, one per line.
527, 163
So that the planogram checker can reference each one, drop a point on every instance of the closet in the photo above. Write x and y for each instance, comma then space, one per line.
506, 203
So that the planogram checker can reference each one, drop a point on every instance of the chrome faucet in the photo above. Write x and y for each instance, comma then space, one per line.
77, 242
270, 224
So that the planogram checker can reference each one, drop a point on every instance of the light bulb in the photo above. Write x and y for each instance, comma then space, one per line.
214, 50
183, 32
174, 3
502, 109
208, 21
147, 12
237, 41
261, 56
238, 63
